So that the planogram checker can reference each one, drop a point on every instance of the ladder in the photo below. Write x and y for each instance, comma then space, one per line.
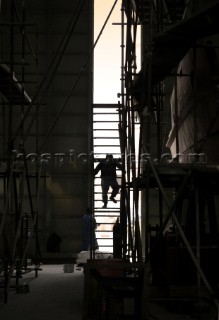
105, 141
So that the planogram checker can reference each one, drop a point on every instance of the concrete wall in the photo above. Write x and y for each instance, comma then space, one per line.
59, 120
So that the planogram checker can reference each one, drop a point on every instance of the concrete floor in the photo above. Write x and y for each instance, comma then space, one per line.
53, 295
57, 295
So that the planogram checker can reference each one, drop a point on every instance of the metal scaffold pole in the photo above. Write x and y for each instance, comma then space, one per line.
18, 189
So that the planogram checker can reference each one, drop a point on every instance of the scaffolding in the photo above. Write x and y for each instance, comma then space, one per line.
19, 213
22, 173
167, 38
170, 240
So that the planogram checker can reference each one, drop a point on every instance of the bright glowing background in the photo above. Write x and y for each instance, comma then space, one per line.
107, 84
107, 53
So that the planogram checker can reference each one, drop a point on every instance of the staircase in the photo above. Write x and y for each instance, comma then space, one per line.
105, 140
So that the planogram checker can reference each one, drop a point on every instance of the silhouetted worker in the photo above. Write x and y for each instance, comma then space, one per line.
117, 240
89, 224
108, 178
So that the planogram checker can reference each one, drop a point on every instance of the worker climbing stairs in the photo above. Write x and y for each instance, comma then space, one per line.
105, 141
